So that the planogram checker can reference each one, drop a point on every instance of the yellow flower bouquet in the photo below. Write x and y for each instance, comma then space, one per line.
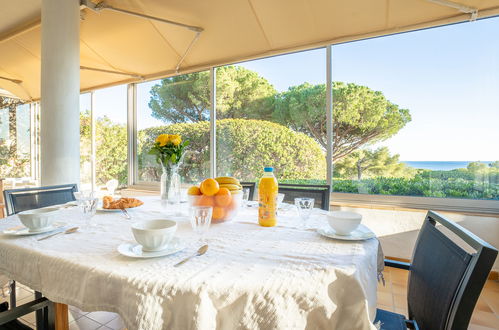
168, 149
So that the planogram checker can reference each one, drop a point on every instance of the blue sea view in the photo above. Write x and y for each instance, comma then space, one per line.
440, 165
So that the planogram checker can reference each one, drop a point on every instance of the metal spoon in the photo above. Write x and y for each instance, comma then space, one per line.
202, 250
68, 231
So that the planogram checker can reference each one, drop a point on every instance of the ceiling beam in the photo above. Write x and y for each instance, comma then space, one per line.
20, 29
134, 75
15, 81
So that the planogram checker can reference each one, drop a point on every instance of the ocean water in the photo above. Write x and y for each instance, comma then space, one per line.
439, 165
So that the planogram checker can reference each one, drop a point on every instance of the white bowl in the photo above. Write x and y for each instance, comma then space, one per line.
344, 222
154, 235
38, 219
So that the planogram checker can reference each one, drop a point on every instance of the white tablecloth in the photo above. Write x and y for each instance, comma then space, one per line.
251, 277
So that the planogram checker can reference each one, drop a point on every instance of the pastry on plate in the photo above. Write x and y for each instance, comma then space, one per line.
108, 202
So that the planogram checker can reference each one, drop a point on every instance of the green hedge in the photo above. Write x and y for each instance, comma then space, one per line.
422, 185
244, 147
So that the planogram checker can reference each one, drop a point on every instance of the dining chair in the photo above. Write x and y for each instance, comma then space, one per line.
318, 192
9, 318
252, 187
445, 280
18, 200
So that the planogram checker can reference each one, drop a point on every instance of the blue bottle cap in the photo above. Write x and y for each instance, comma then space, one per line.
268, 169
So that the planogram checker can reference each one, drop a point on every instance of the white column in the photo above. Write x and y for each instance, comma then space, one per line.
60, 92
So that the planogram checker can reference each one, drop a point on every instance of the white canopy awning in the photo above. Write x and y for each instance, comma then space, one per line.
118, 48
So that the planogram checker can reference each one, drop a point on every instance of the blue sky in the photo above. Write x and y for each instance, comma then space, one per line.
447, 77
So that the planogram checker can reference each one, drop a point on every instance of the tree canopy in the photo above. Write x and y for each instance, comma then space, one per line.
361, 116
241, 93
111, 149
13, 163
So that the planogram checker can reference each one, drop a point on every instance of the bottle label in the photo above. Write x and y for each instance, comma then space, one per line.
267, 207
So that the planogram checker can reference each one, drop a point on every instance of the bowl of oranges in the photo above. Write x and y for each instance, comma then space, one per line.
224, 194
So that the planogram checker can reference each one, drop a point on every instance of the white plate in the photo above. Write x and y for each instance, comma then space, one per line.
134, 250
359, 234
23, 231
101, 209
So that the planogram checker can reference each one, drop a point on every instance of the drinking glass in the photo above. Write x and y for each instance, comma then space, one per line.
305, 206
246, 196
88, 207
84, 194
111, 186
280, 199
200, 219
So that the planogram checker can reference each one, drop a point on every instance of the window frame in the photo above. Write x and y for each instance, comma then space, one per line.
390, 201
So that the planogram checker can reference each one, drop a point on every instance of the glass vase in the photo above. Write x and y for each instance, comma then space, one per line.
170, 183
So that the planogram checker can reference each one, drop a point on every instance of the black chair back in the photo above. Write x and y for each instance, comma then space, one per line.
445, 280
318, 192
252, 187
18, 200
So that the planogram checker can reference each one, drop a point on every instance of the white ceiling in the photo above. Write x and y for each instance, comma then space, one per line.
234, 30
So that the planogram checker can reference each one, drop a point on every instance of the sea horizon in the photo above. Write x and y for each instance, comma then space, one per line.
440, 165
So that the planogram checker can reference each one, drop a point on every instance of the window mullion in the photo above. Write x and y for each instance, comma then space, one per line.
329, 116
213, 122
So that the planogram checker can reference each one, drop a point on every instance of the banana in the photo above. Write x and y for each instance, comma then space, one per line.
231, 186
235, 192
227, 179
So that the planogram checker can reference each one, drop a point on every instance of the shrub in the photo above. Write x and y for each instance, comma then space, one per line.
244, 147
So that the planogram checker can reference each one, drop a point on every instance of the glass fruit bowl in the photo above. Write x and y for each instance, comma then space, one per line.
225, 207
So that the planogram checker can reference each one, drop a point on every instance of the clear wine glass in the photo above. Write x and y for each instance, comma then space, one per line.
304, 206
200, 220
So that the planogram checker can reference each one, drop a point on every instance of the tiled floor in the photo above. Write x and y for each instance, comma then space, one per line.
391, 297
78, 320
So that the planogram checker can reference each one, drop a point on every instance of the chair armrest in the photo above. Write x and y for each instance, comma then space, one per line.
24, 309
397, 264
412, 324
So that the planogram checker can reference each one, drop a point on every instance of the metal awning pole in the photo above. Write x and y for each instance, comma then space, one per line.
102, 5
462, 8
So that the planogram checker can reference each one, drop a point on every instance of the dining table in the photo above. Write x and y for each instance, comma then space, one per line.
251, 277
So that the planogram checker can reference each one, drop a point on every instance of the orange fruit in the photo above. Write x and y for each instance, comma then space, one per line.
209, 187
194, 191
223, 197
204, 201
218, 213
232, 205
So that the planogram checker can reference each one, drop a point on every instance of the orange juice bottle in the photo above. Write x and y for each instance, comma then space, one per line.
267, 199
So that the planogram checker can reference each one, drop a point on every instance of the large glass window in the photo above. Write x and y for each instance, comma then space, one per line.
85, 142
176, 105
110, 113
272, 112
416, 114
15, 139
